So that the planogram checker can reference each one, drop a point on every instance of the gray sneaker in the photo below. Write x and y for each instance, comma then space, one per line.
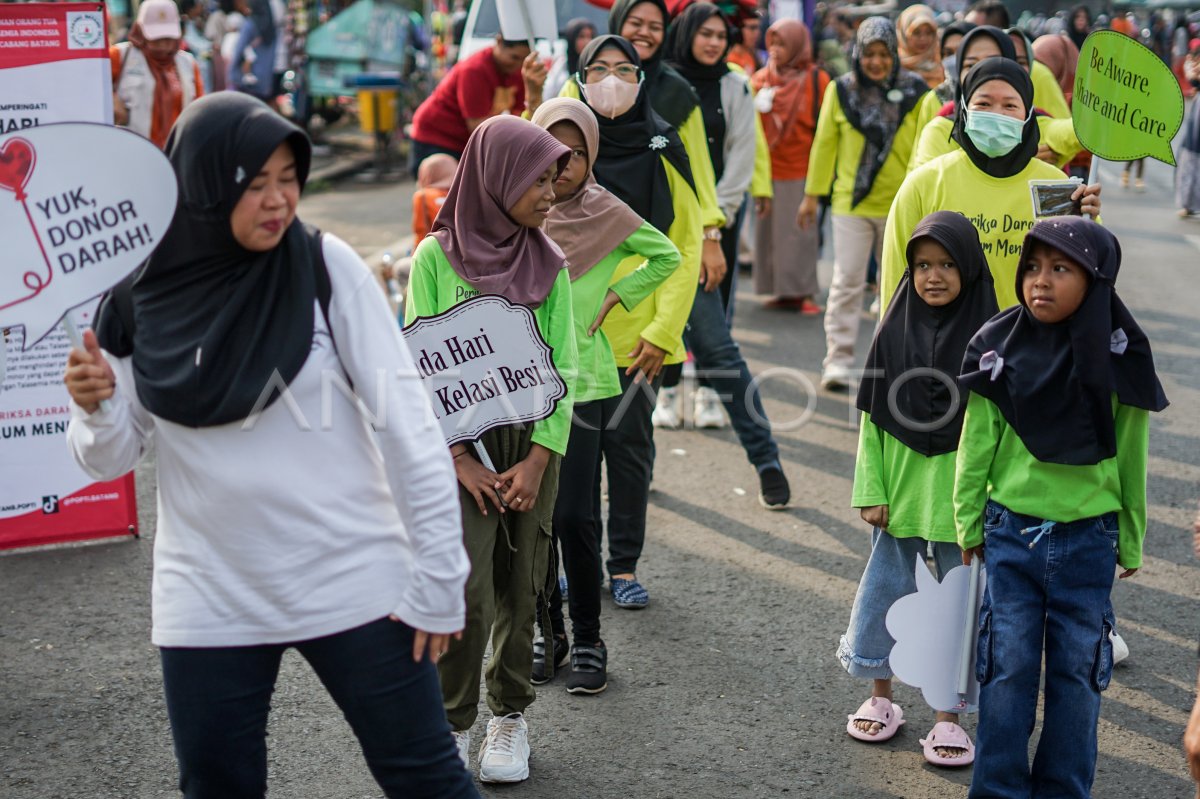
504, 756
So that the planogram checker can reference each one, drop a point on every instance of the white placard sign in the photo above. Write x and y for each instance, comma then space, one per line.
518, 16
929, 626
485, 364
81, 206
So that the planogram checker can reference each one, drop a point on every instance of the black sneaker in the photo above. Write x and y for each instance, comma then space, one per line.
589, 669
562, 653
773, 490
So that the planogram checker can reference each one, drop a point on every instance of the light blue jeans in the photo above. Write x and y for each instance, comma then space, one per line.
890, 574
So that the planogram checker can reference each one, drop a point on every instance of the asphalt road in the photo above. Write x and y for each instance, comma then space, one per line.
727, 685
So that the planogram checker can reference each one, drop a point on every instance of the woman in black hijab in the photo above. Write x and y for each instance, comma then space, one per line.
220, 351
987, 180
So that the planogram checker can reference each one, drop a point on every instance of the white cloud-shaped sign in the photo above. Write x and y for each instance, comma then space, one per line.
81, 206
935, 629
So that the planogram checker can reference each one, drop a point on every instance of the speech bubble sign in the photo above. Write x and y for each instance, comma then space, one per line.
1127, 103
81, 206
928, 627
484, 364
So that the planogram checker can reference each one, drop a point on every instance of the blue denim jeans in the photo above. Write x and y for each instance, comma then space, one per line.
890, 574
1048, 586
218, 700
720, 364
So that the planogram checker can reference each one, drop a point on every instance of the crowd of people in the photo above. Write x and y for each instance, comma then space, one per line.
1004, 407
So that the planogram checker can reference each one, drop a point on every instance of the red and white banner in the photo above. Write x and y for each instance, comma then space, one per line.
54, 67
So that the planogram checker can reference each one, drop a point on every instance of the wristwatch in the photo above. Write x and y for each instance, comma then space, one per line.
712, 234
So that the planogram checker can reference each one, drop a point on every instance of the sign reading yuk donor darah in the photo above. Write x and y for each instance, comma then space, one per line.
485, 364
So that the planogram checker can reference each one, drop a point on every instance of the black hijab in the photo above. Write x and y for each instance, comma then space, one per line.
632, 146
705, 79
672, 97
214, 322
959, 28
1012, 73
570, 34
1007, 49
1054, 383
1075, 35
876, 110
914, 335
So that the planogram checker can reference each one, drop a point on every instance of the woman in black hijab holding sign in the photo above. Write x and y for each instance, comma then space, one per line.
987, 180
219, 351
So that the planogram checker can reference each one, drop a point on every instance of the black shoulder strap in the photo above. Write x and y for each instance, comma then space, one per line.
325, 292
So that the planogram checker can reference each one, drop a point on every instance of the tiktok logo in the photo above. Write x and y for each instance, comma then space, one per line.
50, 504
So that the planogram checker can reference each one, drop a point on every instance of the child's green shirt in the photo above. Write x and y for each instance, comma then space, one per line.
916, 488
994, 463
434, 287
660, 258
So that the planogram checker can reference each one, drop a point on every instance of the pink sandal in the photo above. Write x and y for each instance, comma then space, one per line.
948, 735
880, 711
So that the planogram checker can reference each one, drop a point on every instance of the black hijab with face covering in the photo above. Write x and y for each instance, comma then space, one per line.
1054, 383
213, 322
1003, 69
914, 335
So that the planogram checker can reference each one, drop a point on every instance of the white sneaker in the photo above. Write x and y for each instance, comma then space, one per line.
504, 756
1120, 648
666, 409
835, 378
463, 741
708, 411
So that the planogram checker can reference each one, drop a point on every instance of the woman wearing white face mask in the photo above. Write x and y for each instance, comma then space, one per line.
987, 180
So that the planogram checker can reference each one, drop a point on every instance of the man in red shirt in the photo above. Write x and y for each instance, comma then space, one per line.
485, 84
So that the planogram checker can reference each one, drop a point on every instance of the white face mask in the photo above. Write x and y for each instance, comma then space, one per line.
611, 96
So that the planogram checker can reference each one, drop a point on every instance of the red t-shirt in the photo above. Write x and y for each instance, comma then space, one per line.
473, 89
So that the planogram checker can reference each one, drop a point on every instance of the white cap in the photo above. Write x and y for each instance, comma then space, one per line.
159, 20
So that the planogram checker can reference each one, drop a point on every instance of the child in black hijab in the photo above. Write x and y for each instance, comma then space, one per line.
904, 472
1051, 487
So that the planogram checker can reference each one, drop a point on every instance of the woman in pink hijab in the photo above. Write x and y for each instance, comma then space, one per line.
917, 37
1061, 56
488, 239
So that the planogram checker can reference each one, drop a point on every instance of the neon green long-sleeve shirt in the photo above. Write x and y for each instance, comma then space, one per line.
836, 151
434, 287
994, 463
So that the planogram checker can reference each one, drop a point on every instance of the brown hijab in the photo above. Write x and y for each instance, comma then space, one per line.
790, 77
483, 244
589, 225
1061, 55
924, 62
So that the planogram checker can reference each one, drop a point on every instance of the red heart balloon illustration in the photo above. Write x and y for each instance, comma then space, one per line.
17, 158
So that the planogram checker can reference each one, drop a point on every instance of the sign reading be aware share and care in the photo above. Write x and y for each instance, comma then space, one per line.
1127, 104
81, 206
484, 364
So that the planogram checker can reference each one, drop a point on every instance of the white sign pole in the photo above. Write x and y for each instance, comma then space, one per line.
968, 641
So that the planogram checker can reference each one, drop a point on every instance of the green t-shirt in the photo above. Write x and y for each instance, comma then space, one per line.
836, 151
916, 488
659, 257
434, 287
994, 463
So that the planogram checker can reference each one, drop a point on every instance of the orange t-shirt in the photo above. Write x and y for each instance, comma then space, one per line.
426, 204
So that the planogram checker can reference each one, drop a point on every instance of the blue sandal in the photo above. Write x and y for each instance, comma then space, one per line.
629, 594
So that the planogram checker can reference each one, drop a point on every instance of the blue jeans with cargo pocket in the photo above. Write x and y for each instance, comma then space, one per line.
1048, 585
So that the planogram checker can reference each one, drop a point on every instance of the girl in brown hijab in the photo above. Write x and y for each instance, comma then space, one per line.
917, 36
615, 258
789, 91
487, 239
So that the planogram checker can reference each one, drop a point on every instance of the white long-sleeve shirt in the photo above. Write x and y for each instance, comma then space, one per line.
303, 521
